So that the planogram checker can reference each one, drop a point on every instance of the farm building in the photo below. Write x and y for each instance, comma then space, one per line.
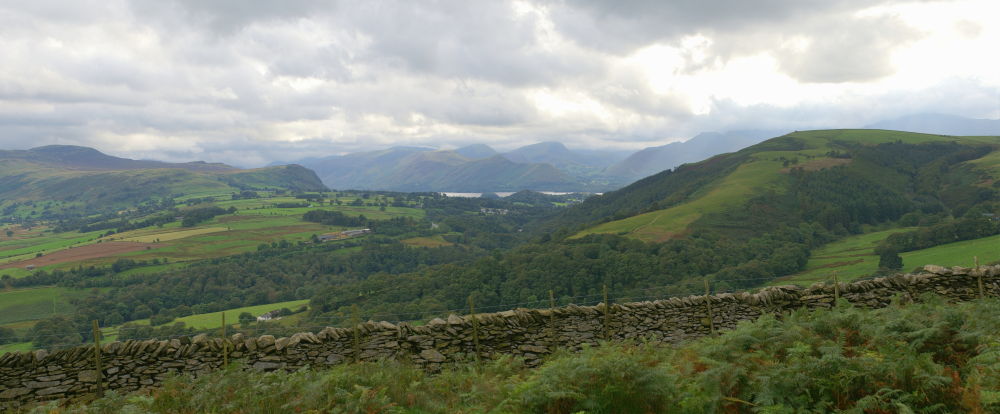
272, 315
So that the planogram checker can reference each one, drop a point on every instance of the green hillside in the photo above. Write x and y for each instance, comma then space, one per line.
61, 181
718, 193
789, 205
854, 257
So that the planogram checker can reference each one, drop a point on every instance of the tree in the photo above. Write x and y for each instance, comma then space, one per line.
10, 233
7, 335
55, 333
890, 259
246, 318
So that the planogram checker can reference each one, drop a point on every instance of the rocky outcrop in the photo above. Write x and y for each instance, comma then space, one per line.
528, 333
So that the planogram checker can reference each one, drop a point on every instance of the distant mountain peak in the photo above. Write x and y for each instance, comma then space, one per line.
476, 151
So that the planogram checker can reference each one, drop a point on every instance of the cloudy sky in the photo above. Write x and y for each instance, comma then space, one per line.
254, 81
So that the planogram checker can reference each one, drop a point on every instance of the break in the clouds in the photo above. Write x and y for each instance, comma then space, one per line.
252, 82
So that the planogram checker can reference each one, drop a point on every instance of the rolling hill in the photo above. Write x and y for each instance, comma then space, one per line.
87, 180
795, 178
652, 160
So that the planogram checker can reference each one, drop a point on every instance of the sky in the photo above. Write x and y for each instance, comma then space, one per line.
250, 82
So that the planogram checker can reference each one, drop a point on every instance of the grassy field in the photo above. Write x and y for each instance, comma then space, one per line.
214, 319
663, 224
854, 257
27, 245
15, 347
35, 303
256, 221
432, 241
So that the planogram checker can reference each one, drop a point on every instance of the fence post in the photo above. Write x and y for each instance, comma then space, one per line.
836, 289
979, 277
225, 343
708, 305
552, 321
475, 326
357, 333
97, 360
607, 316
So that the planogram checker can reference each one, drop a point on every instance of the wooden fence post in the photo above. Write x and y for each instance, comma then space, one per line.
357, 333
97, 360
475, 326
225, 343
979, 278
708, 305
836, 289
607, 316
552, 320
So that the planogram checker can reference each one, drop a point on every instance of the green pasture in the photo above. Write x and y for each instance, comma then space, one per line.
21, 248
214, 319
854, 257
660, 225
15, 272
16, 347
18, 305
222, 236
431, 241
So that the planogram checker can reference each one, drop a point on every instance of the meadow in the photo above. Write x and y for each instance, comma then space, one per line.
854, 257
214, 319
256, 221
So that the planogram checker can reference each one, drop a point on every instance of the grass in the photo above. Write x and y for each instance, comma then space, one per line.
664, 224
432, 241
854, 257
36, 303
167, 235
763, 171
15, 347
214, 319
222, 236
28, 246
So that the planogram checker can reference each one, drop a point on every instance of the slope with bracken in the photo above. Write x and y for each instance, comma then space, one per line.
833, 177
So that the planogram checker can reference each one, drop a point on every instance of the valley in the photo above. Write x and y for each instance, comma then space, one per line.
792, 209
795, 209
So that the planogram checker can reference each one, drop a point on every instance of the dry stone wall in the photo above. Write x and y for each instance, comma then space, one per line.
131, 365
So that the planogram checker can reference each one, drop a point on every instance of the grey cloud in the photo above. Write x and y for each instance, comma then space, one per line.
229, 16
482, 40
204, 79
622, 26
856, 51
843, 47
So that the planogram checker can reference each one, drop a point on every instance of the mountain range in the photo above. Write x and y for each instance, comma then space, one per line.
475, 168
544, 166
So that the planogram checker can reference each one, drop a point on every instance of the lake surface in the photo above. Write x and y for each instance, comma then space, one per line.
507, 193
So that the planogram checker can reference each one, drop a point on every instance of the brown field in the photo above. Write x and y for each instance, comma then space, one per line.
426, 242
91, 251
